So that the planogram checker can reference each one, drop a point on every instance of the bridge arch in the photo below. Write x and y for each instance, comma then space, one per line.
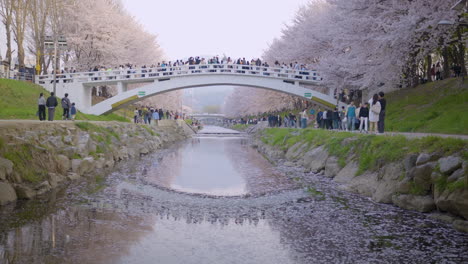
159, 81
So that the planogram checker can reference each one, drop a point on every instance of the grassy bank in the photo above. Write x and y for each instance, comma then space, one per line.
240, 127
370, 151
436, 107
19, 101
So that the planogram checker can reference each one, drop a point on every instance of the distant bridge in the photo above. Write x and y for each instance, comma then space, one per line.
160, 80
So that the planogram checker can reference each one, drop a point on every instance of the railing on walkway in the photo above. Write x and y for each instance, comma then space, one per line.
16, 75
167, 72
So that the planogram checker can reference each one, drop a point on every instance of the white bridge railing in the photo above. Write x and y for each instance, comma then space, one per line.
170, 71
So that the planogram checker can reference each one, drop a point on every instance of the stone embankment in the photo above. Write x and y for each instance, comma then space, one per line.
36, 157
433, 181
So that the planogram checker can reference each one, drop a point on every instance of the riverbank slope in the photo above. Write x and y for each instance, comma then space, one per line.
36, 157
428, 174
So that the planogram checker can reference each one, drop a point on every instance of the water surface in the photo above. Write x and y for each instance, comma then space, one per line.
216, 200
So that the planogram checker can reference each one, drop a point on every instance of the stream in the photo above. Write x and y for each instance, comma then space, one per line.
214, 199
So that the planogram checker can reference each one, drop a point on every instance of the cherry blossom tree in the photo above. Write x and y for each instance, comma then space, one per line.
370, 45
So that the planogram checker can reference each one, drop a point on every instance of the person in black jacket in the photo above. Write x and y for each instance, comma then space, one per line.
383, 105
336, 119
51, 104
364, 117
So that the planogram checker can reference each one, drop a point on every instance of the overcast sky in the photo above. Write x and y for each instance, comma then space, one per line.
237, 28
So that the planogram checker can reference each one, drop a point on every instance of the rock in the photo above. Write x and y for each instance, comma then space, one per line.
456, 175
86, 166
422, 159
83, 143
288, 164
364, 184
295, 152
31, 135
6, 168
69, 151
435, 176
331, 167
410, 161
83, 166
42, 187
315, 159
63, 164
100, 163
55, 179
55, 142
412, 202
7, 193
71, 176
144, 151
455, 202
68, 140
421, 175
75, 165
388, 183
443, 217
461, 225
109, 163
347, 173
449, 164
24, 192
403, 186
348, 141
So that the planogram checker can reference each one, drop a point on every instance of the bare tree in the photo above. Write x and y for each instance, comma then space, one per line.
20, 12
39, 11
6, 12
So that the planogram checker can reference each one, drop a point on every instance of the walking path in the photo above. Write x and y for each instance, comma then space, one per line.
390, 133
13, 122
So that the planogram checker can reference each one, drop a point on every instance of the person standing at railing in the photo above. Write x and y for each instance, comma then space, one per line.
51, 103
41, 102
66, 104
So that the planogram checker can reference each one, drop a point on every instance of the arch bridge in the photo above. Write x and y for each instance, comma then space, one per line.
164, 79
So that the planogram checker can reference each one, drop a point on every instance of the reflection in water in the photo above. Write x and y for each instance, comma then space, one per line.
216, 166
133, 220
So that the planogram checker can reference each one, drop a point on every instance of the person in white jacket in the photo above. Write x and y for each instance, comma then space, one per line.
374, 113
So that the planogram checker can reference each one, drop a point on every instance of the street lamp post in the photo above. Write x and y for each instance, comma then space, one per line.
56, 43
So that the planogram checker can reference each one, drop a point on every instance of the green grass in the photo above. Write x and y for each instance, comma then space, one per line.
102, 134
240, 127
372, 152
147, 128
436, 107
189, 121
19, 101
30, 166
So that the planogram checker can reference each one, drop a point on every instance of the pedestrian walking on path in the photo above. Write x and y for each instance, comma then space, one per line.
383, 105
73, 112
351, 115
364, 118
374, 113
66, 104
304, 119
41, 102
51, 104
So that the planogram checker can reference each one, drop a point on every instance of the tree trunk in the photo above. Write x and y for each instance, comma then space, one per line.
8, 43
461, 52
429, 67
445, 54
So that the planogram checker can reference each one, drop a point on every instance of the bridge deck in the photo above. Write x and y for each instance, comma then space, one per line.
150, 74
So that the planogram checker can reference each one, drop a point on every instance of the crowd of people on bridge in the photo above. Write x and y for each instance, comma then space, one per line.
196, 60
